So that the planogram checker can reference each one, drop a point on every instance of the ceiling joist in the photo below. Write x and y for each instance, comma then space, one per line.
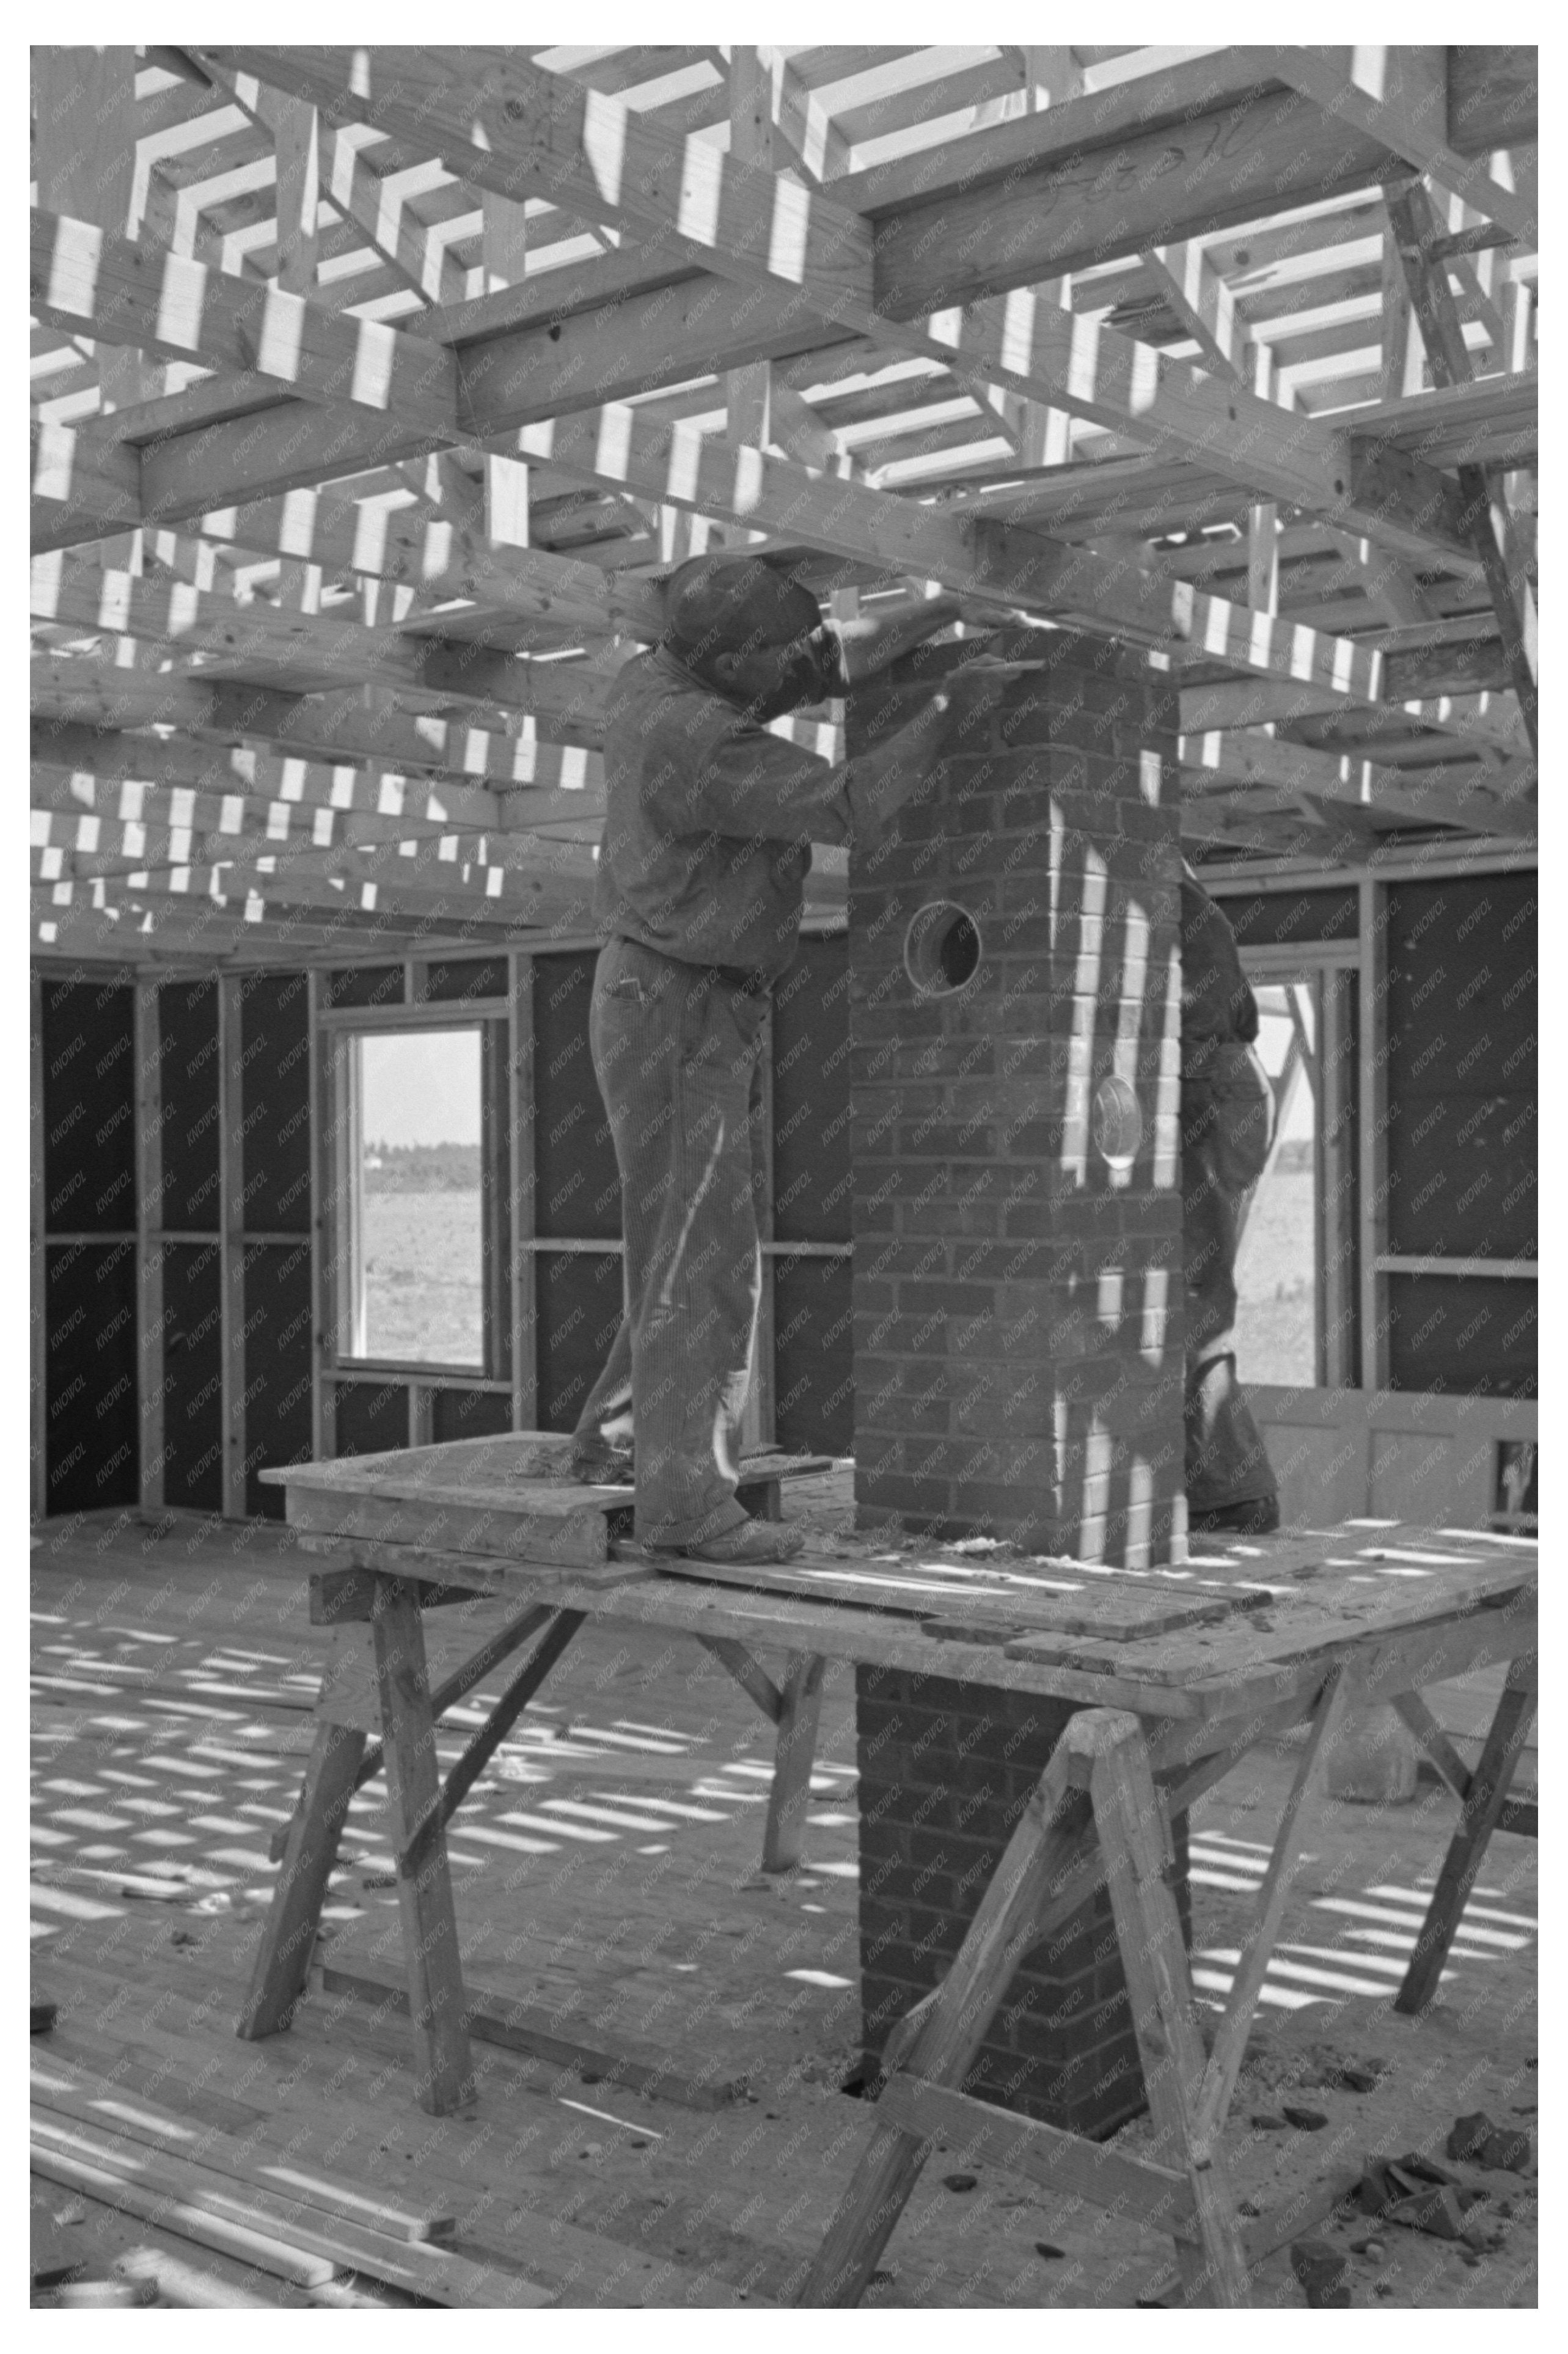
375, 391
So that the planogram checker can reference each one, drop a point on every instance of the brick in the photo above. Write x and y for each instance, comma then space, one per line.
897, 1491
945, 1770
986, 1152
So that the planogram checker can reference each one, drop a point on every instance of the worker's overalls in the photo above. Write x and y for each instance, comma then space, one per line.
705, 848
1226, 1112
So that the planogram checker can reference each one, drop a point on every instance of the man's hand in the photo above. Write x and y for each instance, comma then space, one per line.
875, 641
883, 780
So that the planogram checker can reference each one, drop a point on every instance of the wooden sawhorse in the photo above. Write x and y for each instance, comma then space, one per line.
1099, 1816
391, 1586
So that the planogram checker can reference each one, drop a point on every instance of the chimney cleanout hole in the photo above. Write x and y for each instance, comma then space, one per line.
1117, 1123
942, 948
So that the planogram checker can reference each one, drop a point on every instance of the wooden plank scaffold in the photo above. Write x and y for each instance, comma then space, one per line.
1177, 1675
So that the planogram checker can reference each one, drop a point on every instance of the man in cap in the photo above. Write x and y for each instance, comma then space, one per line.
709, 823
1226, 1104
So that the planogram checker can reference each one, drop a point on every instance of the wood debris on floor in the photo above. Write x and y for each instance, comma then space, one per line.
627, 1910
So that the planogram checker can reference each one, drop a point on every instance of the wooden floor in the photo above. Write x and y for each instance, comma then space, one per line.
606, 1871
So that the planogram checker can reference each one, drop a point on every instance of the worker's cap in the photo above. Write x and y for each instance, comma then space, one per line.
715, 606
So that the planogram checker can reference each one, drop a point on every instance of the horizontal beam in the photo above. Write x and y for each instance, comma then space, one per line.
535, 904
530, 865
339, 726
1398, 95
1014, 209
85, 844
162, 781
509, 126
87, 282
441, 553
1481, 488
145, 930
320, 647
1158, 2197
505, 125
1485, 800
986, 560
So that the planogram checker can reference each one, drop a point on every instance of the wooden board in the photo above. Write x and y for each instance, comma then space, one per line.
508, 1497
987, 1605
132, 2174
111, 2115
336, 2082
1203, 1660
462, 1467
553, 1526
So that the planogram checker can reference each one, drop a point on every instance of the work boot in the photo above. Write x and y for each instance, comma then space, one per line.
752, 1543
1256, 1516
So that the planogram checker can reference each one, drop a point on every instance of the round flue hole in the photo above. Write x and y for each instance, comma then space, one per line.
942, 948
1117, 1123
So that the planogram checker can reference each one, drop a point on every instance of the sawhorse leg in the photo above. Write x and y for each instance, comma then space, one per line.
794, 1754
1099, 1781
1480, 1810
795, 1710
421, 1809
443, 2063
278, 1982
952, 2031
1136, 1842
343, 1761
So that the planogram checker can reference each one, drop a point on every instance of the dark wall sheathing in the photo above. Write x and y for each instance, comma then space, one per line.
1281, 919
463, 979
277, 1366
193, 1377
188, 1073
578, 1297
92, 1408
813, 1356
275, 1103
371, 1416
577, 1183
1472, 1335
90, 1118
1462, 1067
1462, 1079
92, 1432
469, 1414
364, 984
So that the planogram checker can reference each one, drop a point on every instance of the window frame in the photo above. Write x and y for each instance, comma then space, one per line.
1332, 970
343, 1192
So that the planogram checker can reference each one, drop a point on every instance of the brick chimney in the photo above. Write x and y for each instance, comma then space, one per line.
1014, 991
1014, 1010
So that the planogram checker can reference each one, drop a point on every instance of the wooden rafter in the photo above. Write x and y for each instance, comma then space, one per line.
357, 464
1481, 487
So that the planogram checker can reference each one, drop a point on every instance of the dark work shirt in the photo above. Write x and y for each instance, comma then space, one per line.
708, 822
1217, 1004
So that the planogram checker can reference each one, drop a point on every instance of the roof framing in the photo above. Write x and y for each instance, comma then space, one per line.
375, 391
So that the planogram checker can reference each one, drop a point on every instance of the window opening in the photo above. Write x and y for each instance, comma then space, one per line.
414, 1262
1296, 1263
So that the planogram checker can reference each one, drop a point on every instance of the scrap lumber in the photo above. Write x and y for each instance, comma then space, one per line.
179, 2284
68, 2091
282, 2235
